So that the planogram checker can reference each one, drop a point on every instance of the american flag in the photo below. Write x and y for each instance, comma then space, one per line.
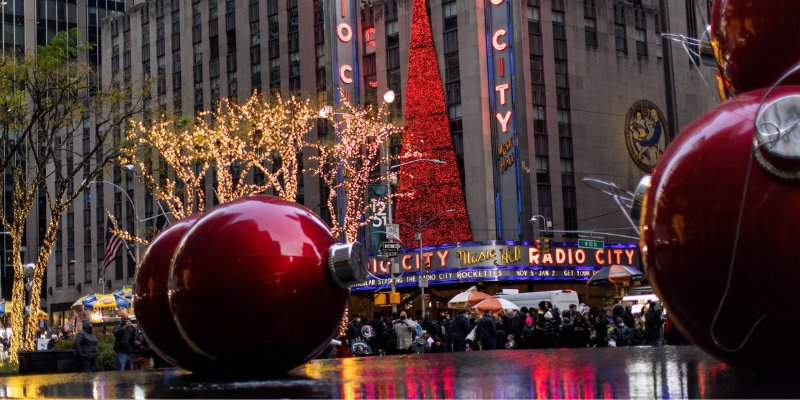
113, 243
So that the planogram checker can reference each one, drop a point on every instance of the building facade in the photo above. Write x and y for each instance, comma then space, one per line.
25, 25
586, 99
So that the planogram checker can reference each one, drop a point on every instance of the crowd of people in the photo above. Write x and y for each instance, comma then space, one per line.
130, 347
535, 328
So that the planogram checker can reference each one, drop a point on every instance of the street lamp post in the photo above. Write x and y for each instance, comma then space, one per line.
418, 229
101, 280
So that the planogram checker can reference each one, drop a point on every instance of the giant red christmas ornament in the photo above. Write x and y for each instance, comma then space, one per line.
755, 42
719, 230
259, 286
152, 303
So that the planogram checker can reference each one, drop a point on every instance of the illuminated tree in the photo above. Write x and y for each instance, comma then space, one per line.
430, 189
48, 97
234, 140
184, 159
278, 137
350, 163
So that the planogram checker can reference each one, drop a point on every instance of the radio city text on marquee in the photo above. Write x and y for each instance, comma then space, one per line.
505, 255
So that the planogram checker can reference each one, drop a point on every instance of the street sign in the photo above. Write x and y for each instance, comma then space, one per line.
590, 244
391, 253
391, 246
423, 282
393, 231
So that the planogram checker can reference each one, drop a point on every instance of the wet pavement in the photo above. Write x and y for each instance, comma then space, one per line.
637, 372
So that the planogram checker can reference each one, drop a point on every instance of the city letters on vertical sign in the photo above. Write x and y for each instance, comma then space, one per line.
344, 16
508, 198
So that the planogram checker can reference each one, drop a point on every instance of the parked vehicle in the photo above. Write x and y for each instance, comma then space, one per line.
558, 298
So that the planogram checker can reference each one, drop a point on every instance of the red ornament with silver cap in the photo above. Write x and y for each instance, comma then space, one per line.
719, 224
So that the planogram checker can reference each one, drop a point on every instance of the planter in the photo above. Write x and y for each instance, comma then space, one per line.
47, 361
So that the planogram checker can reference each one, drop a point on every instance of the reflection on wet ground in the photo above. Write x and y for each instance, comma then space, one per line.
640, 372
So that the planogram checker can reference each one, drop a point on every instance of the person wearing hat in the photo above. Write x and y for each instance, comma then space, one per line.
354, 327
124, 333
85, 345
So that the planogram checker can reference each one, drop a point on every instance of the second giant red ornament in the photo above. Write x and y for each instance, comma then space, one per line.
152, 303
755, 42
719, 227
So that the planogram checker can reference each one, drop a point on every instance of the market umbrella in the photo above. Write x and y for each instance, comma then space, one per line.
466, 299
616, 274
495, 304
41, 315
124, 292
101, 301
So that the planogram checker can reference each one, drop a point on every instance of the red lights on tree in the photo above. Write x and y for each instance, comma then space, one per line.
431, 188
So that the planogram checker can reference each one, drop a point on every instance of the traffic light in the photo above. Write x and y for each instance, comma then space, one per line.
381, 299
428, 264
538, 244
386, 298
394, 297
545, 246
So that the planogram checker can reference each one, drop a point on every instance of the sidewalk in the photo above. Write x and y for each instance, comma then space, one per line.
638, 372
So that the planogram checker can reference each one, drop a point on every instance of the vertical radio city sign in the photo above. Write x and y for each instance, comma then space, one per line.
343, 16
500, 60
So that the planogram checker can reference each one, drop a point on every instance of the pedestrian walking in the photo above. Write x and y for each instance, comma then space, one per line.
124, 335
85, 345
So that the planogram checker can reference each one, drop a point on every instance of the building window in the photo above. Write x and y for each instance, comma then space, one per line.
659, 53
640, 21
233, 87
620, 36
590, 22
691, 31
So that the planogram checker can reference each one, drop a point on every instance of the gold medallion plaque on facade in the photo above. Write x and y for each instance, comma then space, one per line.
645, 134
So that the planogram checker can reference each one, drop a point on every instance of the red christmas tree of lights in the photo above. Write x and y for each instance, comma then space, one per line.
427, 190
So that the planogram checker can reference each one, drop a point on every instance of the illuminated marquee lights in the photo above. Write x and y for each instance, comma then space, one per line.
491, 254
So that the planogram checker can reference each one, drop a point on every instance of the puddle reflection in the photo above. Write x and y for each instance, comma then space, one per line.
669, 372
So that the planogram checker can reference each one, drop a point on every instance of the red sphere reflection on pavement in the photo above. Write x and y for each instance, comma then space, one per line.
250, 286
754, 41
689, 226
152, 303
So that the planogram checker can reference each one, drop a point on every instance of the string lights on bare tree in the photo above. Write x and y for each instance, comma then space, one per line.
48, 97
348, 164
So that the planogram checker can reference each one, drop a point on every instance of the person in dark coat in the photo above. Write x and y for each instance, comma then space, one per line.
438, 345
487, 331
461, 328
354, 327
517, 323
446, 330
124, 334
85, 345
379, 330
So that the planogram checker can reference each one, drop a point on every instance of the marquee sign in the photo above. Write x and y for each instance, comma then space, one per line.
479, 275
499, 260
505, 154
502, 253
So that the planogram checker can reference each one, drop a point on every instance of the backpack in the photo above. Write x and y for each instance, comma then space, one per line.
528, 331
